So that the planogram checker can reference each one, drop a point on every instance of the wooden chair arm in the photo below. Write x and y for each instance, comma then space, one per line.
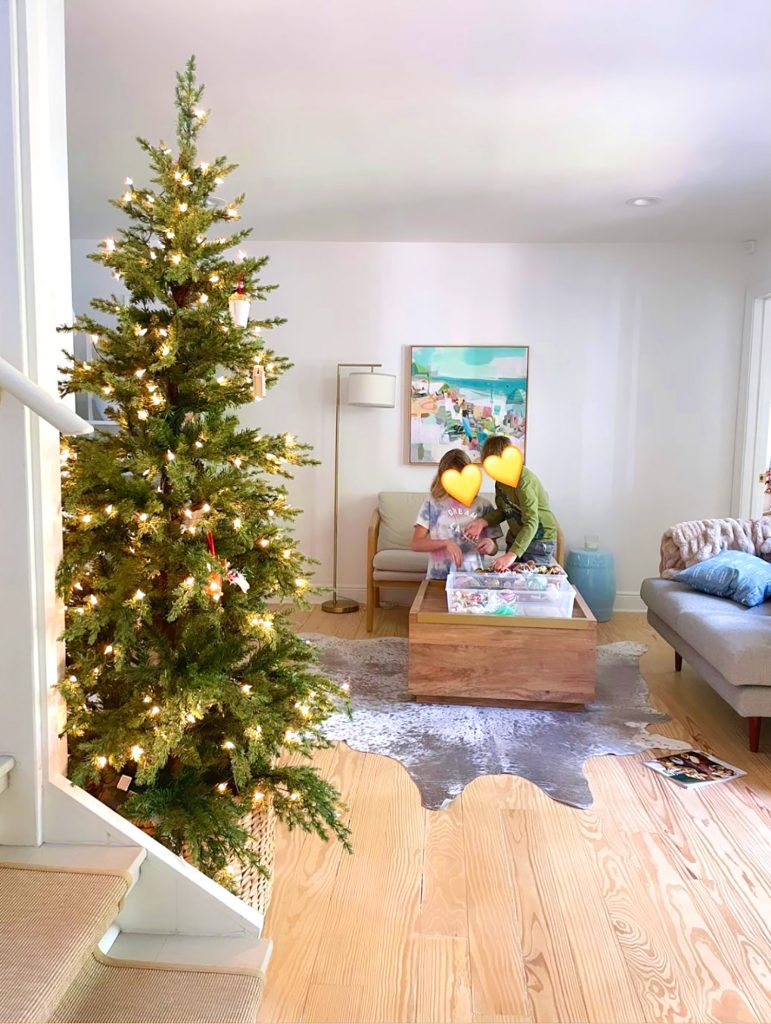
372, 536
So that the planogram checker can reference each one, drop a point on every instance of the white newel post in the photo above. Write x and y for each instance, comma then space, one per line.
35, 297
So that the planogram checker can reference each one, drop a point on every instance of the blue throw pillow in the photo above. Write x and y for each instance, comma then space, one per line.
733, 574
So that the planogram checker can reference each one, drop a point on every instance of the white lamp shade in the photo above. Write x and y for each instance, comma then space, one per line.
373, 389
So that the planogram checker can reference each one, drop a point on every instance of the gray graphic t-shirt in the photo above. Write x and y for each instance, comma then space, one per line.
447, 519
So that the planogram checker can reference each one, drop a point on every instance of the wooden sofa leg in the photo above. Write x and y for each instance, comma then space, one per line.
370, 602
678, 662
753, 731
377, 596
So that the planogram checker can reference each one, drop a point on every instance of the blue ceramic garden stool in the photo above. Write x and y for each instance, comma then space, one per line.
593, 574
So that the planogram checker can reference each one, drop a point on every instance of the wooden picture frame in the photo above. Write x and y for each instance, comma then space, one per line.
447, 400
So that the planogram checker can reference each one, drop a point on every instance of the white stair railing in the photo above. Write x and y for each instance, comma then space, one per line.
54, 411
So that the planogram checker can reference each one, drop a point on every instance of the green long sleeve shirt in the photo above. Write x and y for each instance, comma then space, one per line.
526, 511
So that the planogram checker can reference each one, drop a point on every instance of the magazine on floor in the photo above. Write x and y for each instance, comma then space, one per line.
694, 769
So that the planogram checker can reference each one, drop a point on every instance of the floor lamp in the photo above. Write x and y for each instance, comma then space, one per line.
377, 391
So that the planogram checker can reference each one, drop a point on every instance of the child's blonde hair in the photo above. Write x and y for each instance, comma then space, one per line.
455, 458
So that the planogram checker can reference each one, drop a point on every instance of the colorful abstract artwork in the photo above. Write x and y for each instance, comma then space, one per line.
460, 394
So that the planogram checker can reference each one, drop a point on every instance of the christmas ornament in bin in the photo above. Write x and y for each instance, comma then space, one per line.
192, 708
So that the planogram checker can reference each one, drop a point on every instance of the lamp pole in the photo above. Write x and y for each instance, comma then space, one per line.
339, 606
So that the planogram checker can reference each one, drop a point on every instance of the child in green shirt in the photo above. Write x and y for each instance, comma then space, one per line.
532, 527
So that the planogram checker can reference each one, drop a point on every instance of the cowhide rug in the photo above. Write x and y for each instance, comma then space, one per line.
444, 747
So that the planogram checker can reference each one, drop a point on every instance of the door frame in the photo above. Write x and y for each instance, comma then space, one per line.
754, 401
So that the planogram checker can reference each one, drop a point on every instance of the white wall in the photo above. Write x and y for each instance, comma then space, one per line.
634, 365
34, 297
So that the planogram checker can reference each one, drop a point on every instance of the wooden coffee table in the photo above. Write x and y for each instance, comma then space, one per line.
493, 659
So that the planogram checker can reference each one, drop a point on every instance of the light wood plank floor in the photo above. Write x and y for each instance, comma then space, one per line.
653, 906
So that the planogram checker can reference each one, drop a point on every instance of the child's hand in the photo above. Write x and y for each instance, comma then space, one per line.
486, 546
455, 553
474, 530
504, 562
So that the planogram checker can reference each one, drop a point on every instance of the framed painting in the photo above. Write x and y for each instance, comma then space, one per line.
461, 394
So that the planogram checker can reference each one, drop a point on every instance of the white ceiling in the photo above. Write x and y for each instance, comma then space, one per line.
451, 120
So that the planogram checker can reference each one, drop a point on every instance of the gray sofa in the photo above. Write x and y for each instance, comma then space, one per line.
727, 644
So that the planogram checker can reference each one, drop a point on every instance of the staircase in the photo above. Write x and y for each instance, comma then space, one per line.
63, 958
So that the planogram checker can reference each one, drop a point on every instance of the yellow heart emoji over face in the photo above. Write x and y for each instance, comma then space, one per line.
506, 468
463, 486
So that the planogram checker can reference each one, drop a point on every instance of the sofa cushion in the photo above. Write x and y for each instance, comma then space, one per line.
401, 561
670, 601
398, 512
734, 575
735, 640
381, 577
738, 646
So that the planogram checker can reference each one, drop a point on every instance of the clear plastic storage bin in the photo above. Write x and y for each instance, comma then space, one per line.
528, 594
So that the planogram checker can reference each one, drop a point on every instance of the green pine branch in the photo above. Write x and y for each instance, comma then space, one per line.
197, 690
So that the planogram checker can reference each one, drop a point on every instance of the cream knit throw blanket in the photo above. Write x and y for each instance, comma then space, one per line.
689, 543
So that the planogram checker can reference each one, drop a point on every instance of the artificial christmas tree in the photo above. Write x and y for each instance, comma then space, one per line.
189, 704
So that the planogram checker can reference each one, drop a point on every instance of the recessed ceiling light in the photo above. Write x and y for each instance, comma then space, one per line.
644, 201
